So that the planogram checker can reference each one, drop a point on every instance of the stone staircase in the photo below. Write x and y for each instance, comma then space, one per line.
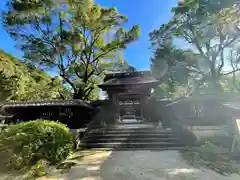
131, 135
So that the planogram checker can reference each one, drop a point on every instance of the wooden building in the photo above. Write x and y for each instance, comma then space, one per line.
74, 113
129, 92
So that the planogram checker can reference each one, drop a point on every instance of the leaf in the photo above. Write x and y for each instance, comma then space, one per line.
73, 38
205, 27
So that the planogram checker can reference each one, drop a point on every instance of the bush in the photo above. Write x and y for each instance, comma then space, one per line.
29, 142
37, 170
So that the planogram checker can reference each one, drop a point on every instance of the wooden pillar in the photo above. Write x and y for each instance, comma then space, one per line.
143, 103
141, 108
117, 109
115, 102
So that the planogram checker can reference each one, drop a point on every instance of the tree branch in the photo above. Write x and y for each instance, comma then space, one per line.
61, 95
234, 74
236, 70
88, 91
230, 42
78, 75
87, 56
198, 45
103, 54
64, 76
222, 63
201, 81
221, 49
60, 64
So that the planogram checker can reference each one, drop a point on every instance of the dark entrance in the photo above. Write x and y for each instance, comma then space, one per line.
130, 109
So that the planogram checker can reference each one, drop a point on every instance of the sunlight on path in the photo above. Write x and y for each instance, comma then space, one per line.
137, 165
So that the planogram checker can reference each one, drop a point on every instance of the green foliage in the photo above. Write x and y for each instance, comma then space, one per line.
210, 156
7, 86
37, 170
231, 83
26, 144
22, 81
207, 30
79, 39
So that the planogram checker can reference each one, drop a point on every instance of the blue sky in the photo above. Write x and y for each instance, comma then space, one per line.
148, 14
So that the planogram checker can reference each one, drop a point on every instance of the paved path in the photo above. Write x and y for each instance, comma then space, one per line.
137, 165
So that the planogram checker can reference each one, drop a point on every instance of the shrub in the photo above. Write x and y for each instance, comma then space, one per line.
37, 170
29, 142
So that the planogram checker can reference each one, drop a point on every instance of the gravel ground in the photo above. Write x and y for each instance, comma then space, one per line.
137, 165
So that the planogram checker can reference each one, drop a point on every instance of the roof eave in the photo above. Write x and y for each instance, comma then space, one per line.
46, 103
104, 86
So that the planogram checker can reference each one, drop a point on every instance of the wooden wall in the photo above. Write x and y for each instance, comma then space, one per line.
73, 116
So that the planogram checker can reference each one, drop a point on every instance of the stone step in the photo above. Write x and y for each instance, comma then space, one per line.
130, 125
131, 132
138, 129
131, 128
132, 135
141, 126
136, 149
135, 123
128, 139
132, 145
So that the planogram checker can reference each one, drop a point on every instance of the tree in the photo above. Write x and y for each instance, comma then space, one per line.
79, 39
29, 88
232, 79
7, 87
175, 68
21, 81
210, 29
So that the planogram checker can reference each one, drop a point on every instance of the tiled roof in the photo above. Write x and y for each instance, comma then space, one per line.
119, 79
128, 74
3, 116
129, 81
47, 103
97, 103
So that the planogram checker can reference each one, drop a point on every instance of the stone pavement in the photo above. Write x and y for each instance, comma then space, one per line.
137, 165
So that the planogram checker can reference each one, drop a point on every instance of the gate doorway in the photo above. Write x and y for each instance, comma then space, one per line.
130, 109
129, 92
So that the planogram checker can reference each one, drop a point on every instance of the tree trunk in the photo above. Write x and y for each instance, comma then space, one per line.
215, 81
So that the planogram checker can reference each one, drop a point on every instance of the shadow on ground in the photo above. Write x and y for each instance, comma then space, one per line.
136, 165
5, 174
127, 165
